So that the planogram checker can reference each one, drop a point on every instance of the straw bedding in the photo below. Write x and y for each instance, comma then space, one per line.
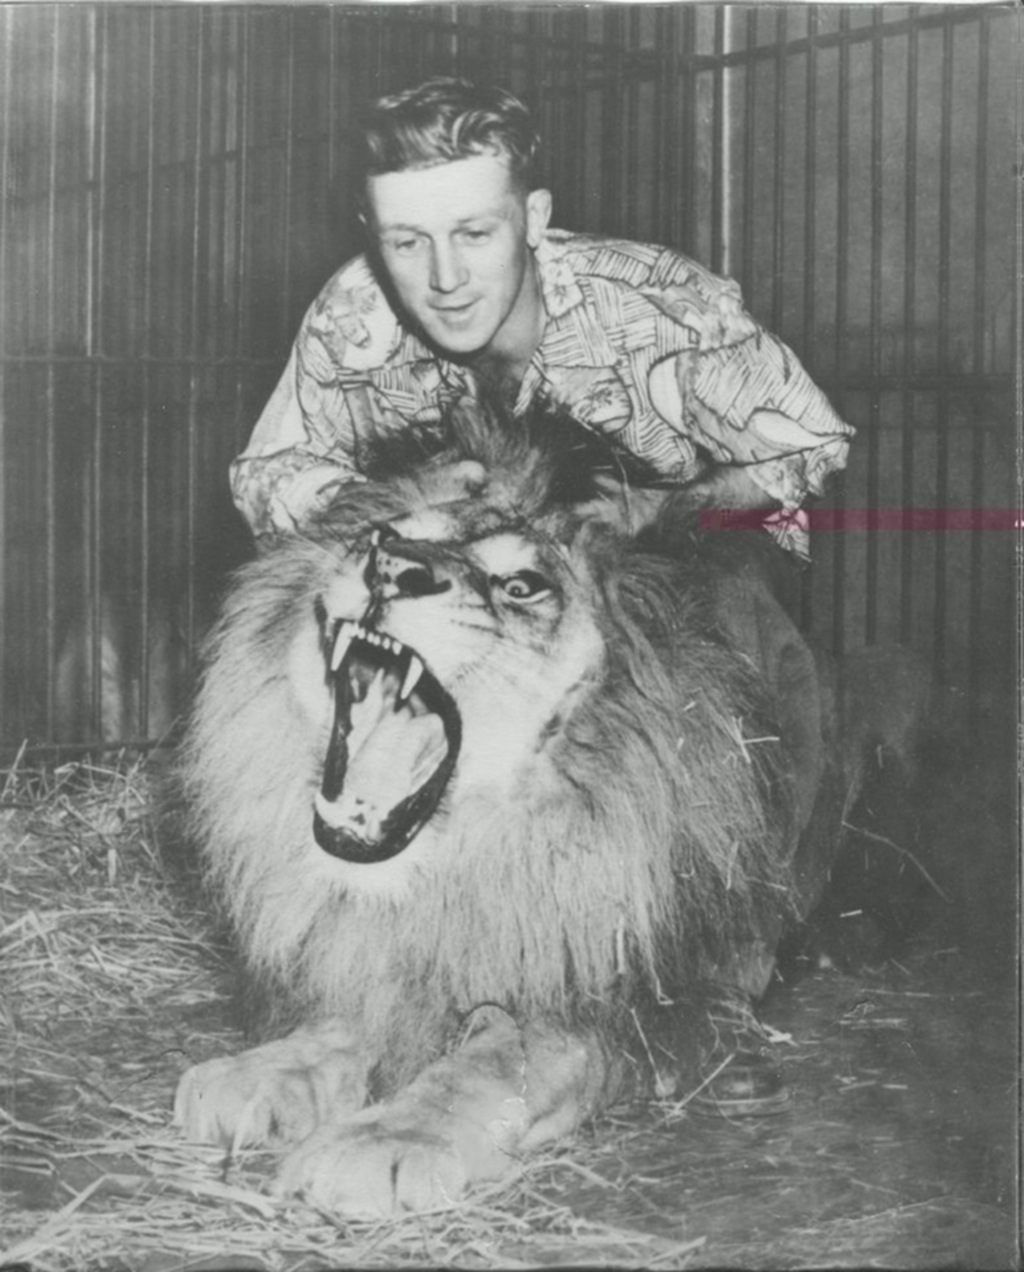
112, 984
899, 1149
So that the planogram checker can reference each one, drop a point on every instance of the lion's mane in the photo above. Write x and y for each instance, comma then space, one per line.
647, 850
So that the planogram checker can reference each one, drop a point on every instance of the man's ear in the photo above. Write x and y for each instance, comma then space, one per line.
538, 214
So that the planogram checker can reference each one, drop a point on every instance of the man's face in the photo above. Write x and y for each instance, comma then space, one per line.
456, 242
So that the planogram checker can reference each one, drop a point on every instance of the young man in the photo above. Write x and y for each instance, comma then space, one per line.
466, 288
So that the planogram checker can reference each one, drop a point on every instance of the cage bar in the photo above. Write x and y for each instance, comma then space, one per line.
842, 145
7, 18
719, 140
170, 215
978, 563
909, 311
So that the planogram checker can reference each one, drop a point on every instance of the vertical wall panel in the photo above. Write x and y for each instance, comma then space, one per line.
179, 184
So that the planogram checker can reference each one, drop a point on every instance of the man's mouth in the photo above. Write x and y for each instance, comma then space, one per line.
454, 313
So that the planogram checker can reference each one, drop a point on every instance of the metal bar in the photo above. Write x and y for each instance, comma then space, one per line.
649, 64
145, 449
810, 182
7, 21
981, 194
909, 325
849, 36
192, 434
942, 420
502, 46
577, 18
665, 162
536, 66
95, 272
874, 327
8, 16
614, 25
148, 257
289, 155
746, 268
686, 171
842, 291
976, 588
630, 31
242, 200
718, 143
1017, 345
60, 752
333, 83
920, 382
778, 170
810, 253
50, 416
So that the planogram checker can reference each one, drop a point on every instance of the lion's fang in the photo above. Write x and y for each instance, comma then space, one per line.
346, 632
411, 678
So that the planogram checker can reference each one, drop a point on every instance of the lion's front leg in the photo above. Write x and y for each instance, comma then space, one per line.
467, 1119
276, 1093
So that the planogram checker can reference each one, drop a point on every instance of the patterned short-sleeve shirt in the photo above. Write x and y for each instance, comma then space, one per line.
640, 343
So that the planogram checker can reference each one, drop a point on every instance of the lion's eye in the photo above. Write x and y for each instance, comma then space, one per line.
523, 586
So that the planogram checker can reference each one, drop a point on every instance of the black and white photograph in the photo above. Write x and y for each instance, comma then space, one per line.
510, 554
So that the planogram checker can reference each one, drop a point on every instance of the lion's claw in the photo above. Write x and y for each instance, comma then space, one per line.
277, 1093
366, 1171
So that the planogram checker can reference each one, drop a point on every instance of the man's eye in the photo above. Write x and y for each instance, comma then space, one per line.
476, 236
403, 246
524, 585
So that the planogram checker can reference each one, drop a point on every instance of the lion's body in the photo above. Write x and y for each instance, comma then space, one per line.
620, 820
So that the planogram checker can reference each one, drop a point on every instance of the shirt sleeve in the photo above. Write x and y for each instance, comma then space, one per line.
293, 463
304, 444
743, 395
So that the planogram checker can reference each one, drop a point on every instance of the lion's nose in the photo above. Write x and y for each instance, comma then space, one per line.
401, 569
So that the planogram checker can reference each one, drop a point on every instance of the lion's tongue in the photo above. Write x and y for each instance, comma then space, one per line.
390, 758
396, 759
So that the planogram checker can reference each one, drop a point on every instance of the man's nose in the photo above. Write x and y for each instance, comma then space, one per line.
447, 271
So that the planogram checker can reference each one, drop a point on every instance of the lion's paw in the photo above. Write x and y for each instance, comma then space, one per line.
277, 1093
369, 1171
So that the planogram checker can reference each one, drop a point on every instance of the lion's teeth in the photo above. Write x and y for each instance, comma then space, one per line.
411, 678
346, 631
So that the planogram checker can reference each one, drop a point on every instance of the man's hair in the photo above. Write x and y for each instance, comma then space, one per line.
447, 119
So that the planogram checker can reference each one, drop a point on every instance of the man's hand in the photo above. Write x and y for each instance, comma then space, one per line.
724, 487
630, 508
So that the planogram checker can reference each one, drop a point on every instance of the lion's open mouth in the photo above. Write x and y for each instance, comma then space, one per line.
394, 744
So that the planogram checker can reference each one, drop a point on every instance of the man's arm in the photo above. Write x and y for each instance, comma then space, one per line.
725, 486
718, 487
772, 436
288, 472
743, 397
305, 442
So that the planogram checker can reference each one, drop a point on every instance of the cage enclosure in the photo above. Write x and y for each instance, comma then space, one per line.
178, 186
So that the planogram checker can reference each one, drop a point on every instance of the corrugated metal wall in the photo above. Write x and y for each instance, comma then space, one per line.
178, 187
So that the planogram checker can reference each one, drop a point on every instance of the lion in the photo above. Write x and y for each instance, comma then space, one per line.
493, 804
